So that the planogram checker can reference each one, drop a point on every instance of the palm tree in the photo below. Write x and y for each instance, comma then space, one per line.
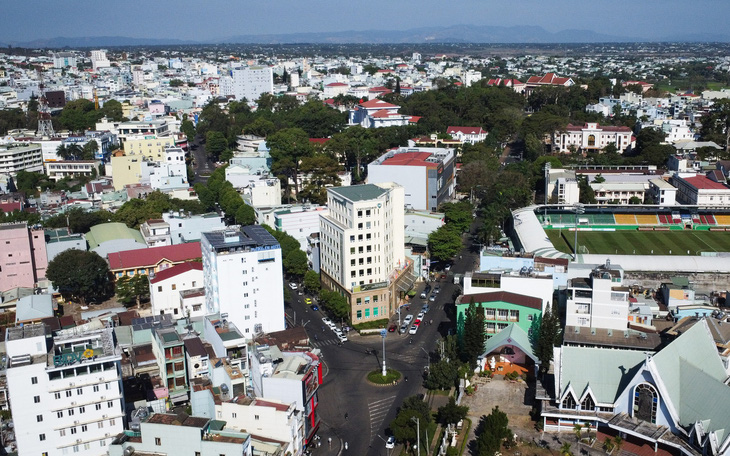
577, 428
618, 441
565, 449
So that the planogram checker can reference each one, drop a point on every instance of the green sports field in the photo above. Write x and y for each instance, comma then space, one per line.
642, 242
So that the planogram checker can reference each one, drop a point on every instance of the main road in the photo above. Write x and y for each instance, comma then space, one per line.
352, 410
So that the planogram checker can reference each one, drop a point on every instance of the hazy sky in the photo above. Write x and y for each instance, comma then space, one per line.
24, 20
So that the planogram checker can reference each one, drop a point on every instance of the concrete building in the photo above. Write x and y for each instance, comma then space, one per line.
243, 278
168, 287
662, 192
66, 390
500, 309
263, 192
16, 157
471, 135
377, 113
167, 433
23, 258
186, 227
64, 59
248, 83
362, 248
59, 240
169, 350
700, 190
99, 59
591, 137
58, 170
562, 186
425, 173
599, 301
139, 130
151, 260
156, 233
290, 377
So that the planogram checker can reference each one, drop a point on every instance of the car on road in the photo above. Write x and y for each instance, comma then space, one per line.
420, 316
432, 298
390, 443
342, 337
332, 326
413, 330
403, 328
315, 307
408, 320
326, 321
437, 290
308, 301
425, 308
423, 295
337, 332
392, 328
292, 285
447, 267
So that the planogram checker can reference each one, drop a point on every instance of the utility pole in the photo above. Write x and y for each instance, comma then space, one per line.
418, 434
579, 209
383, 333
45, 126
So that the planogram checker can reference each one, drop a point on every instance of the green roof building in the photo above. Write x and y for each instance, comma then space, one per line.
112, 237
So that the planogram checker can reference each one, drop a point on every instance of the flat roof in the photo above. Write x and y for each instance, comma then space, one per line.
248, 236
359, 192
410, 159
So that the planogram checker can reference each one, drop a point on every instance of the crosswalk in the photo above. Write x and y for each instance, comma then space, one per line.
323, 343
377, 411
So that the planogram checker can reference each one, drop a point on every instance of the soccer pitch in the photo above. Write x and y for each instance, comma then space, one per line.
628, 242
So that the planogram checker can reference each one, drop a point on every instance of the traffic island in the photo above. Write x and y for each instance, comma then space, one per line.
392, 377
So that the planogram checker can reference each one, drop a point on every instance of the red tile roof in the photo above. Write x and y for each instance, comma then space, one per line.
410, 159
385, 113
11, 206
549, 78
504, 296
379, 104
139, 258
414, 119
703, 183
177, 270
336, 84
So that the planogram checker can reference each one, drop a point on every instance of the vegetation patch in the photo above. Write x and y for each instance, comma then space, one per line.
391, 375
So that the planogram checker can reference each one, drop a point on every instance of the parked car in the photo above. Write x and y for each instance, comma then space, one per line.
403, 328
408, 320
392, 328
292, 285
342, 337
432, 298
437, 290
390, 443
308, 301
425, 308
315, 307
413, 330
419, 317
326, 321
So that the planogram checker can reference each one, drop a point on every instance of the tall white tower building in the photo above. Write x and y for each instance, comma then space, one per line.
248, 83
65, 391
244, 279
362, 248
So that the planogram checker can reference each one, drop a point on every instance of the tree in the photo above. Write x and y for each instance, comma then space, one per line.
112, 110
245, 215
288, 148
451, 413
403, 427
215, 144
88, 152
79, 115
187, 127
577, 430
635, 200
444, 243
354, 146
586, 193
716, 126
565, 449
311, 281
335, 304
80, 274
547, 338
296, 263
441, 375
132, 289
323, 172
458, 215
473, 337
491, 432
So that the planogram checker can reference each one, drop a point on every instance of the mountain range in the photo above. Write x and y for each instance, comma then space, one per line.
449, 34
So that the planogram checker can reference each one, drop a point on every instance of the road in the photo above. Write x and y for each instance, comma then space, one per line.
202, 167
353, 410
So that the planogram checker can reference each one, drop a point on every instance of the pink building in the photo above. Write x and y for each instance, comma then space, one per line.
23, 259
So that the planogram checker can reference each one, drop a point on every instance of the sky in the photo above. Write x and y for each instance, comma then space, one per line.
208, 20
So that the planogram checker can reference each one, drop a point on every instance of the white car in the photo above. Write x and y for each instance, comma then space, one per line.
420, 316
332, 326
408, 320
292, 285
413, 329
326, 321
342, 337
337, 332
390, 443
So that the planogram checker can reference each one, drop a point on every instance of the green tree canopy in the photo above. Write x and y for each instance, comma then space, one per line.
546, 338
79, 115
491, 432
311, 281
132, 289
323, 172
473, 336
444, 243
296, 263
80, 274
451, 413
288, 148
403, 426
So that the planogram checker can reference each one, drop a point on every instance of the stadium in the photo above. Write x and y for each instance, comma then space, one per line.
640, 238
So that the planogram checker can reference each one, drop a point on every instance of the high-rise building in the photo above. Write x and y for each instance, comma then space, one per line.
243, 278
248, 83
362, 248
66, 391
99, 59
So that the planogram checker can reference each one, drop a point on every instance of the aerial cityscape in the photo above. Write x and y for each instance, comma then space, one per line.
385, 229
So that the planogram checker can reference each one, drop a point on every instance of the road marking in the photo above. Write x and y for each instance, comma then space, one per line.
377, 411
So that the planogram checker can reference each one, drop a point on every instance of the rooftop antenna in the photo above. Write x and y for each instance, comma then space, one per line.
45, 126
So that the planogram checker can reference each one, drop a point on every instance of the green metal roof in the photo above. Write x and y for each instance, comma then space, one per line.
693, 375
111, 231
359, 192
511, 335
606, 371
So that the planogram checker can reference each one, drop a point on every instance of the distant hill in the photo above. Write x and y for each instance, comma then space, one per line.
451, 34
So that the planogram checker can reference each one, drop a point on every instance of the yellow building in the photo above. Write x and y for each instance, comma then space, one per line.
150, 146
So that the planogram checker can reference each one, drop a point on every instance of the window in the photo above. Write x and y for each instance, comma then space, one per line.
73, 430
569, 402
100, 424
588, 403
59, 414
233, 415
112, 422
96, 388
174, 286
646, 400
109, 404
34, 380
256, 417
79, 391
159, 288
82, 409
98, 406
39, 418
70, 412
57, 395
62, 432
42, 437
68, 393
84, 428
158, 441
36, 399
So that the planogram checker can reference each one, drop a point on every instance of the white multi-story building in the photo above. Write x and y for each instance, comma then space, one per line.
591, 137
662, 192
471, 135
66, 395
73, 168
562, 187
64, 59
599, 301
425, 173
185, 227
248, 83
99, 59
362, 248
243, 278
16, 157
168, 286
700, 190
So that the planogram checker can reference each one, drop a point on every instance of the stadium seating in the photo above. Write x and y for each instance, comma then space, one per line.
625, 219
665, 219
604, 219
722, 219
647, 219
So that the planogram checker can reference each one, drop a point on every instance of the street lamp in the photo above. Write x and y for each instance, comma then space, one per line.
578, 209
428, 357
383, 333
418, 433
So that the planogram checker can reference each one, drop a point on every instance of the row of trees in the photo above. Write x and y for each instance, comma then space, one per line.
445, 242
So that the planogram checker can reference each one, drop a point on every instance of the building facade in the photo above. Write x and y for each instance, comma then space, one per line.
243, 278
248, 83
16, 157
23, 258
362, 250
591, 137
599, 301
